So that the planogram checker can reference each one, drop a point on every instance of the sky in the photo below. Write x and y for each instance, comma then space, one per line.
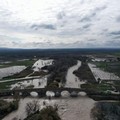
59, 24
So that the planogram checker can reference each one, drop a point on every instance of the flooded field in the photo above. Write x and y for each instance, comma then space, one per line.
41, 63
35, 83
103, 75
4, 72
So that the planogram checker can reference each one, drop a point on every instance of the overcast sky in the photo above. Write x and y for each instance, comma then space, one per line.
59, 23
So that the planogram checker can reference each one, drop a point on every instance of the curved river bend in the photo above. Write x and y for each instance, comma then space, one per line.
72, 80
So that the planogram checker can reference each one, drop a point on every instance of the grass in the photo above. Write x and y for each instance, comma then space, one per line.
117, 85
117, 54
113, 67
4, 66
6, 85
40, 73
97, 87
102, 65
84, 73
22, 74
18, 63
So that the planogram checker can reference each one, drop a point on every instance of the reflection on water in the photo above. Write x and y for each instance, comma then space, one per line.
34, 94
65, 94
50, 94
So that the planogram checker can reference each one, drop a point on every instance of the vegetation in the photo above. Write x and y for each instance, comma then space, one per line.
84, 73
17, 63
30, 87
102, 87
22, 74
117, 85
53, 85
113, 67
47, 113
106, 111
102, 91
7, 107
32, 107
40, 73
59, 69
6, 85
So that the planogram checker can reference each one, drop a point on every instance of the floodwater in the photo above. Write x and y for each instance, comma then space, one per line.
10, 70
73, 81
36, 83
41, 63
68, 108
103, 75
20, 114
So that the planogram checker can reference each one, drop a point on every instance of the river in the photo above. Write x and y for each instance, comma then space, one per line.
68, 108
73, 81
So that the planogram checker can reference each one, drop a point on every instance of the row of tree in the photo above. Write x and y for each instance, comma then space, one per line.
59, 70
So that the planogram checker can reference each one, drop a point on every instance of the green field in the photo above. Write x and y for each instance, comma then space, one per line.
113, 67
18, 63
102, 87
6, 85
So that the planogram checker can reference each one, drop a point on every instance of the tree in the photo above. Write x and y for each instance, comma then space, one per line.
99, 80
32, 107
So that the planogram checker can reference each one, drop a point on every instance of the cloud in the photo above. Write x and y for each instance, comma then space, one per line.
61, 15
88, 18
113, 43
93, 14
99, 9
87, 26
43, 26
116, 37
66, 23
118, 19
115, 33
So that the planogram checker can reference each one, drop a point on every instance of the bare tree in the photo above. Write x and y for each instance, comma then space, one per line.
32, 107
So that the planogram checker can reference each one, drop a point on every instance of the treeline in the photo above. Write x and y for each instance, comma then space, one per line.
21, 74
34, 112
47, 113
59, 70
106, 111
13, 54
7, 107
84, 73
